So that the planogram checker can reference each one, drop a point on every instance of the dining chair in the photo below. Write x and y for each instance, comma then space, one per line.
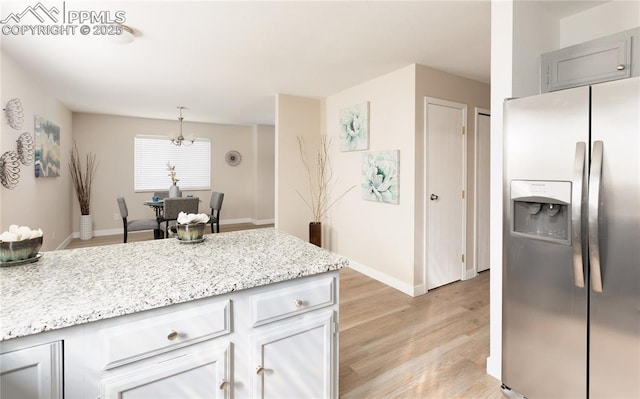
173, 206
216, 205
161, 194
136, 224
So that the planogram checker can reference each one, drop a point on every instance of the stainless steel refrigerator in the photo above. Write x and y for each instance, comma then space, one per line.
571, 277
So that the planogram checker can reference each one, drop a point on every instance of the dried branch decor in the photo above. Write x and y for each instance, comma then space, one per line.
82, 178
320, 182
172, 173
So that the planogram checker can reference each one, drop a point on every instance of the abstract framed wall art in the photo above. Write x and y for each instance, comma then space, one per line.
380, 176
354, 127
47, 148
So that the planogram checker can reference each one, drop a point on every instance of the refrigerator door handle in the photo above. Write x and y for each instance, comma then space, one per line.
578, 196
595, 178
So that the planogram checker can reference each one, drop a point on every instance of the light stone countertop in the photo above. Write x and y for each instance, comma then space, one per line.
76, 286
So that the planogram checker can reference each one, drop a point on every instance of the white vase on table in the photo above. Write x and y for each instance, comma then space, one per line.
174, 191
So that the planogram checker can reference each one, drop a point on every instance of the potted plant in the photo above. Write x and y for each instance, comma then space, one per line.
320, 187
82, 178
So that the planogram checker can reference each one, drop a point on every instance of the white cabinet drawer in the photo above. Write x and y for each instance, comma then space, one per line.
144, 338
286, 302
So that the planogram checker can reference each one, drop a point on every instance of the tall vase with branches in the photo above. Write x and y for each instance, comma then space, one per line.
82, 178
321, 186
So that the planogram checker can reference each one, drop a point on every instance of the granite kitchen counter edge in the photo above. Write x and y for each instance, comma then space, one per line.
71, 287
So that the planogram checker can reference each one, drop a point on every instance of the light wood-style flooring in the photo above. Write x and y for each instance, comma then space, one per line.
432, 346
394, 346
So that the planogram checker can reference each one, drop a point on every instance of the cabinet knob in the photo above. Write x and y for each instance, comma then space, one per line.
621, 67
259, 370
222, 385
298, 303
172, 335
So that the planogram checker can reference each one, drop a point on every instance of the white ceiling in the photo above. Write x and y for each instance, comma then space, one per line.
225, 61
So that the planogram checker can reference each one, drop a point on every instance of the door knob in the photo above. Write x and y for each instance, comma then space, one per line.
433, 197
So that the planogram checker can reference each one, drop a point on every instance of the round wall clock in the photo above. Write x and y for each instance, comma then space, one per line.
233, 158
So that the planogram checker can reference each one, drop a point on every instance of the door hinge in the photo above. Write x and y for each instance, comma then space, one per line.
548, 76
334, 327
462, 194
462, 257
464, 128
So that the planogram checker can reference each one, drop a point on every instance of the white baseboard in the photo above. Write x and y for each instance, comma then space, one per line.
260, 222
66, 242
469, 274
494, 368
236, 221
107, 232
388, 280
257, 222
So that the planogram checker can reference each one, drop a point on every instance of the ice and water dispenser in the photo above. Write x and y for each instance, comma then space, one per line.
541, 210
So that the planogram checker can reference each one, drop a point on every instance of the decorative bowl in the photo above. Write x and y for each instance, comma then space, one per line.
19, 250
191, 232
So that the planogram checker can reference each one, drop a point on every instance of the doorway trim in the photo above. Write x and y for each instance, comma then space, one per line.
476, 113
425, 183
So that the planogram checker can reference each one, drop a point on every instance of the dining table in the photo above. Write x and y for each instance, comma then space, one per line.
158, 207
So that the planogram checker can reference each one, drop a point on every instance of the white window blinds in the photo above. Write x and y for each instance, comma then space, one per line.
192, 162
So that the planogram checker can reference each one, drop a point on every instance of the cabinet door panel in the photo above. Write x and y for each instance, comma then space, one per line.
294, 360
34, 372
195, 374
599, 60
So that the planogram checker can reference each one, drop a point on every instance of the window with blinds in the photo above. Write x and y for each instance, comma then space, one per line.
192, 162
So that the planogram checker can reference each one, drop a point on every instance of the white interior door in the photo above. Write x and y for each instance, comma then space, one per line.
445, 191
482, 205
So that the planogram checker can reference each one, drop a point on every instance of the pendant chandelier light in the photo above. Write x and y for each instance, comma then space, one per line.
180, 140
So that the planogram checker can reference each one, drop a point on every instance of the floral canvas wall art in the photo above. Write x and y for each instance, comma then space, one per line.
380, 174
47, 148
354, 127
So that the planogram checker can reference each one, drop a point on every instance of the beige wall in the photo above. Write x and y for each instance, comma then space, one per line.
44, 203
295, 117
606, 19
385, 241
378, 238
264, 148
111, 138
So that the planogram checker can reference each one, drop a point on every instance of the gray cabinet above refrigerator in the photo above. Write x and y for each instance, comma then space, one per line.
608, 58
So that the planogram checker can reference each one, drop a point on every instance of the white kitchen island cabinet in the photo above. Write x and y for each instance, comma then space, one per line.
162, 319
32, 373
197, 372
296, 360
